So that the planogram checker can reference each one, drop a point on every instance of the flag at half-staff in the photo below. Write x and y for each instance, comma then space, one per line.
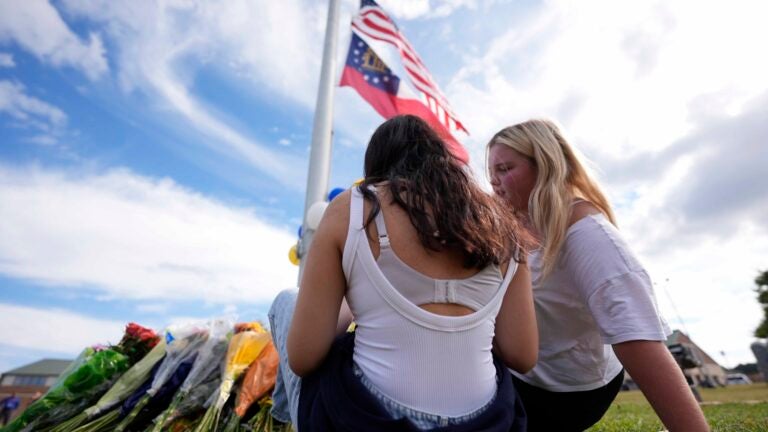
367, 73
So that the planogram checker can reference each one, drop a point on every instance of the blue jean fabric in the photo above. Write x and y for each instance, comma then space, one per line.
422, 420
285, 396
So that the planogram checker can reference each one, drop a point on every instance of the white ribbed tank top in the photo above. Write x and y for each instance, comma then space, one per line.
429, 362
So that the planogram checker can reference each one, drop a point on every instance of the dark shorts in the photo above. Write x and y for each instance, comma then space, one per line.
566, 411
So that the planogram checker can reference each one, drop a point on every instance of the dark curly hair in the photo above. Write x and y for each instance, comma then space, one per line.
444, 203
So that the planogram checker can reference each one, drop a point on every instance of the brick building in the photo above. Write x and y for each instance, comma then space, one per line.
31, 380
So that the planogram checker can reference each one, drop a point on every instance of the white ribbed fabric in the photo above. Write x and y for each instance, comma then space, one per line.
431, 363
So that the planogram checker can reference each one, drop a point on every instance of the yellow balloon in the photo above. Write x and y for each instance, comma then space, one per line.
358, 181
293, 255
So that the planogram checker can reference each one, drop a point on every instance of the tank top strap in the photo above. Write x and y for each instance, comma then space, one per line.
354, 230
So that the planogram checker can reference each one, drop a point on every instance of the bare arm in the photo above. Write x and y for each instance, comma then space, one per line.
517, 335
322, 288
657, 374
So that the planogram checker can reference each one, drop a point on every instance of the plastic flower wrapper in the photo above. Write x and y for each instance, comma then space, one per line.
210, 358
194, 403
78, 390
243, 349
259, 379
182, 342
229, 421
139, 420
107, 421
121, 389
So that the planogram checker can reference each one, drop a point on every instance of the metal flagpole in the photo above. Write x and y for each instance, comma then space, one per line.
320, 151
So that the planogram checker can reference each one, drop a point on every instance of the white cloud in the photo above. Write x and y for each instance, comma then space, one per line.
414, 9
6, 61
45, 140
37, 27
160, 47
127, 236
27, 109
620, 86
54, 330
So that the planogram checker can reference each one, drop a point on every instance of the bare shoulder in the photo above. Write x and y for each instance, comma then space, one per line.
335, 222
337, 212
580, 210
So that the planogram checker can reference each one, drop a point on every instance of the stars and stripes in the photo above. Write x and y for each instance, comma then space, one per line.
372, 21
376, 83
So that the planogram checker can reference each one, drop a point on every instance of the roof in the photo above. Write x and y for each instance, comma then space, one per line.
49, 367
678, 337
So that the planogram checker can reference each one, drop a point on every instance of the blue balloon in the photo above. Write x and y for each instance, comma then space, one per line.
335, 192
300, 231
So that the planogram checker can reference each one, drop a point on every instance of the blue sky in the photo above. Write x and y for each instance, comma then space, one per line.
153, 156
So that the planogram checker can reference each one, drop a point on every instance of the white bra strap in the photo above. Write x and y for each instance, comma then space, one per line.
382, 229
380, 226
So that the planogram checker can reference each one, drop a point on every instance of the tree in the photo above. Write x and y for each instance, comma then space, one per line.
762, 297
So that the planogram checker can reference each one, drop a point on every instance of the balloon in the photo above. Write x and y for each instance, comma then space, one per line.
301, 231
335, 192
293, 255
315, 213
358, 181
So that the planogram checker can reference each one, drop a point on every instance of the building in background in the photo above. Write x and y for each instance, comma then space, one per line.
708, 373
31, 381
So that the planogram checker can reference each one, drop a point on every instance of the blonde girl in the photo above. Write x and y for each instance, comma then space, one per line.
595, 307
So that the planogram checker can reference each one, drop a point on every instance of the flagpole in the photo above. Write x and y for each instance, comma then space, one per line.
322, 130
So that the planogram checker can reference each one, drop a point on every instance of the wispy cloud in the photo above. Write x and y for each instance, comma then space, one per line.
414, 9
29, 110
36, 26
160, 47
126, 236
6, 60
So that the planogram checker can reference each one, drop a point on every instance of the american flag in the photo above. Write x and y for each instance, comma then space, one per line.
373, 22
379, 86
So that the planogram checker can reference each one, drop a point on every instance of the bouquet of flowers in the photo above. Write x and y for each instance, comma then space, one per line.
244, 348
140, 418
183, 343
123, 387
209, 360
93, 375
259, 380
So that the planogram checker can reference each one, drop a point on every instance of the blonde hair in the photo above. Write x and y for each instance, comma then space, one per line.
561, 178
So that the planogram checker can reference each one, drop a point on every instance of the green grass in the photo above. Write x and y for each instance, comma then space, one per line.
738, 408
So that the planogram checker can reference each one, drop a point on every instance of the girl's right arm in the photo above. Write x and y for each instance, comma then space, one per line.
517, 335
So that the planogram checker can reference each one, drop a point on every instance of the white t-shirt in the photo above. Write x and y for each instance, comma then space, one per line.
598, 294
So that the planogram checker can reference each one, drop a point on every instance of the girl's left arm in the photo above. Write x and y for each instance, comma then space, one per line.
321, 291
517, 336
652, 367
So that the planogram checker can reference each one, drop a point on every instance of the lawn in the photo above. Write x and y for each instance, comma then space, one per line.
736, 408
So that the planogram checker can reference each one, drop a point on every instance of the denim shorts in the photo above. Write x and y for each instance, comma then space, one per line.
420, 419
